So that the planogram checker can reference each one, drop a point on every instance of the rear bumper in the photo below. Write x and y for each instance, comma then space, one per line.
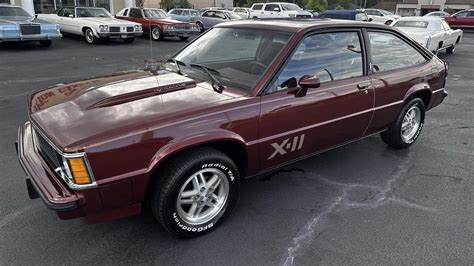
437, 97
40, 178
33, 37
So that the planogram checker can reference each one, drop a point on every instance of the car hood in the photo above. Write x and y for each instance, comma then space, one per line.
19, 20
417, 34
81, 114
167, 21
107, 21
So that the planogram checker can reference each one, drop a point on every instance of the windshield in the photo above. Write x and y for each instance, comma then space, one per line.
92, 12
154, 13
238, 57
290, 7
13, 12
386, 12
411, 24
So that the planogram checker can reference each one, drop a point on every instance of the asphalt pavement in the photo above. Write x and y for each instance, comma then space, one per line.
359, 204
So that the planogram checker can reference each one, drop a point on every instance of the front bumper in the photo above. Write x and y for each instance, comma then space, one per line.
120, 35
32, 37
180, 32
40, 178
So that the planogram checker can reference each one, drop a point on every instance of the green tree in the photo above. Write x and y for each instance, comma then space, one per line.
316, 5
185, 4
449, 10
167, 4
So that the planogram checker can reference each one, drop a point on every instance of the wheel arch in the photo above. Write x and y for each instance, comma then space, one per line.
85, 27
421, 91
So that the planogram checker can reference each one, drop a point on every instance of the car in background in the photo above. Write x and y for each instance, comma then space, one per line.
278, 10
461, 19
242, 11
182, 14
358, 15
17, 25
204, 9
213, 17
243, 99
437, 14
94, 24
433, 33
158, 23
381, 16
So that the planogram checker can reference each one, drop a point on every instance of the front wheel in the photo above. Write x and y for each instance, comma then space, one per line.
195, 191
90, 38
388, 22
407, 127
156, 34
200, 27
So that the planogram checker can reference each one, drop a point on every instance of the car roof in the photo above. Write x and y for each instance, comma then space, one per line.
297, 25
414, 18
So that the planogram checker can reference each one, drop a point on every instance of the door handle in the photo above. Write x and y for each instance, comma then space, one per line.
364, 85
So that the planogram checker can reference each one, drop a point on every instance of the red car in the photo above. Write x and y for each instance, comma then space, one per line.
243, 99
158, 23
461, 19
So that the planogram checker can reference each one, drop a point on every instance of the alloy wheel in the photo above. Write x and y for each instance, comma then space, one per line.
411, 123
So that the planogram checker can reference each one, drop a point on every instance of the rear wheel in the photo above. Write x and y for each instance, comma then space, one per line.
200, 26
407, 127
195, 191
46, 43
450, 49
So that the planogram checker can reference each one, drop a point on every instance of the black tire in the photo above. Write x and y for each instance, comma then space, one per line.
200, 27
129, 40
172, 179
393, 136
156, 34
450, 49
46, 43
183, 38
89, 36
388, 22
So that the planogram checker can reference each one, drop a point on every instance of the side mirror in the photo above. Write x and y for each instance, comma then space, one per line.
305, 82
370, 19
71, 15
276, 9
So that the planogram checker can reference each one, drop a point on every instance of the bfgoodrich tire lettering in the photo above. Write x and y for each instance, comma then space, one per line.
178, 177
407, 128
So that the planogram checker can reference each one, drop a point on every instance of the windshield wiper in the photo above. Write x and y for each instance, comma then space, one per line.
216, 84
177, 63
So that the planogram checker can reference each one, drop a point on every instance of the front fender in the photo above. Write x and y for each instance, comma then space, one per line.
174, 147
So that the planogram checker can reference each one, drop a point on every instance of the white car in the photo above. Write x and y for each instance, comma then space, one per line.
431, 32
278, 10
437, 14
242, 11
381, 16
93, 23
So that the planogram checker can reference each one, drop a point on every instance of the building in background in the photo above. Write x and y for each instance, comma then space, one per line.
422, 7
49, 6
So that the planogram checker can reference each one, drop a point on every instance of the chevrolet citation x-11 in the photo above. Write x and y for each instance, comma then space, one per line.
245, 98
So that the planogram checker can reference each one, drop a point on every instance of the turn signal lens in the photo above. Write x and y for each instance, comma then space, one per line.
79, 171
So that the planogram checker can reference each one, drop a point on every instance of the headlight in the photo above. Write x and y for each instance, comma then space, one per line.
170, 27
103, 28
138, 27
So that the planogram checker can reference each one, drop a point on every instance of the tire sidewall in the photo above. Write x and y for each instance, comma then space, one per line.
159, 32
414, 102
170, 212
92, 40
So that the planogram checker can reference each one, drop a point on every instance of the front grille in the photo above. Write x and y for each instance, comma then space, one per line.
28, 29
182, 27
52, 157
129, 29
114, 29
303, 16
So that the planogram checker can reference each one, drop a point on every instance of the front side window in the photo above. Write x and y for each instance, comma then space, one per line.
290, 7
92, 12
271, 7
239, 57
208, 14
330, 56
257, 7
153, 13
390, 52
462, 14
361, 17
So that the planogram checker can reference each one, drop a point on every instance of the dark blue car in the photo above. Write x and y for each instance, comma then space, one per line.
357, 14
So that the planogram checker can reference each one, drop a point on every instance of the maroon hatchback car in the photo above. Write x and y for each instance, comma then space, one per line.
245, 98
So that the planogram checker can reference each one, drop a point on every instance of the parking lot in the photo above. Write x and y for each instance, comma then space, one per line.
363, 203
